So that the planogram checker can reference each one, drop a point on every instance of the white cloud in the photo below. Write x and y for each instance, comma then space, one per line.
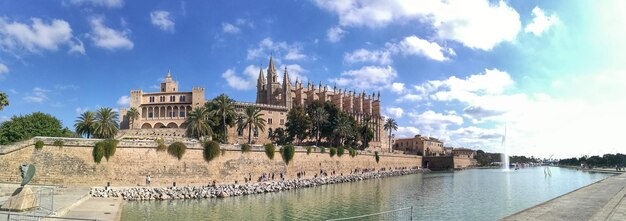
398, 87
36, 37
65, 86
335, 34
410, 97
247, 81
296, 72
77, 47
414, 45
382, 57
368, 77
230, 28
80, 110
101, 3
492, 81
540, 22
123, 101
406, 132
474, 23
3, 70
395, 112
432, 118
38, 95
108, 38
278, 49
162, 20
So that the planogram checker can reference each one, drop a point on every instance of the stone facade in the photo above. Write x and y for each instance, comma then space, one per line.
421, 145
73, 164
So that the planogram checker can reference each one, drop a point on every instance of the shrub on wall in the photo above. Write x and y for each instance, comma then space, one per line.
376, 156
245, 148
288, 152
322, 150
161, 145
39, 145
352, 152
110, 146
177, 149
58, 143
211, 150
98, 152
270, 150
340, 151
308, 150
332, 151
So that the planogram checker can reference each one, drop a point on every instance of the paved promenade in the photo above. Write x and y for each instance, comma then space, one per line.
603, 200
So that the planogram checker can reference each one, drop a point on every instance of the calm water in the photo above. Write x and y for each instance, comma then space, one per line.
477, 194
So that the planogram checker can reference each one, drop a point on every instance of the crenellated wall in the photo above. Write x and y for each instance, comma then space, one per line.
73, 164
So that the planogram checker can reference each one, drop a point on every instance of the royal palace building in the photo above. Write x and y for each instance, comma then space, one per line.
168, 108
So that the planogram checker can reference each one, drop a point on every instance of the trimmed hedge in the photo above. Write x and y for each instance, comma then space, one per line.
332, 151
110, 146
98, 152
161, 145
211, 150
340, 151
270, 150
308, 150
39, 145
352, 152
177, 149
245, 148
322, 150
376, 156
58, 143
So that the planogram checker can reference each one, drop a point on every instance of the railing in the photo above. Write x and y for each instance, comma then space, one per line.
44, 205
9, 216
397, 214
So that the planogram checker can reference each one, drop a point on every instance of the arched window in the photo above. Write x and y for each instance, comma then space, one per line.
240, 132
269, 132
255, 132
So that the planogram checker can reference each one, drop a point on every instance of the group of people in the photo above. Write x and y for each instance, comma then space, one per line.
267, 176
620, 168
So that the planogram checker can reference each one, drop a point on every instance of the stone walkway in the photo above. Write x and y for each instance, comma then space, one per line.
103, 209
603, 200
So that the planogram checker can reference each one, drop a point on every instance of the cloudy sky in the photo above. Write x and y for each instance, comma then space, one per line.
553, 72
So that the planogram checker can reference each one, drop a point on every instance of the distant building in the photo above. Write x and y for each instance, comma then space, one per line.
420, 145
448, 150
463, 152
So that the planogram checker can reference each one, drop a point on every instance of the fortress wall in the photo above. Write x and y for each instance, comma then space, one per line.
133, 160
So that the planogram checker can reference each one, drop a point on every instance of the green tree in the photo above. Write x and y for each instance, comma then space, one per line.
177, 149
279, 136
4, 100
211, 150
343, 129
251, 118
98, 152
85, 124
365, 132
133, 114
160, 145
198, 124
105, 124
110, 146
245, 148
270, 150
288, 152
332, 151
320, 117
390, 125
224, 107
298, 124
20, 128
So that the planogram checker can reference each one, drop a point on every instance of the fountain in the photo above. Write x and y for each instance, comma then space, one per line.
504, 155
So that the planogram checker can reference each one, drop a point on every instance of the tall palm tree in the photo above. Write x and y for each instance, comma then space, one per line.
252, 117
224, 107
105, 125
366, 132
198, 124
84, 125
343, 128
320, 116
390, 125
133, 114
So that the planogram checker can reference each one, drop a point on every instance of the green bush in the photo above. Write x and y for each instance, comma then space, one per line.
376, 156
177, 149
270, 150
352, 152
308, 150
288, 152
161, 145
58, 143
322, 150
332, 151
98, 152
211, 150
340, 151
245, 148
110, 146
24, 127
39, 145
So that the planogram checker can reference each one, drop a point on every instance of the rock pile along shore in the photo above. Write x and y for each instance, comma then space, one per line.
221, 191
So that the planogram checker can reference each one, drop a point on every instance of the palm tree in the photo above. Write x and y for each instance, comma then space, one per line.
320, 116
343, 128
133, 114
84, 125
4, 100
224, 107
198, 124
252, 117
390, 125
366, 132
105, 125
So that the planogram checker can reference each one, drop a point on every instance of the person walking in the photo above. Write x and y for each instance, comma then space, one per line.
148, 180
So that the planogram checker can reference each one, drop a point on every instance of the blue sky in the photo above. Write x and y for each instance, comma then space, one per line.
458, 70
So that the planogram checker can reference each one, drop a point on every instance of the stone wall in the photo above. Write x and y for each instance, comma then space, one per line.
73, 164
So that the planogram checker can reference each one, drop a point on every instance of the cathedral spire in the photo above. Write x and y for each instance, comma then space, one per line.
261, 80
286, 78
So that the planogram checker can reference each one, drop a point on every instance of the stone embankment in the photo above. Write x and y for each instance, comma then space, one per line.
221, 191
